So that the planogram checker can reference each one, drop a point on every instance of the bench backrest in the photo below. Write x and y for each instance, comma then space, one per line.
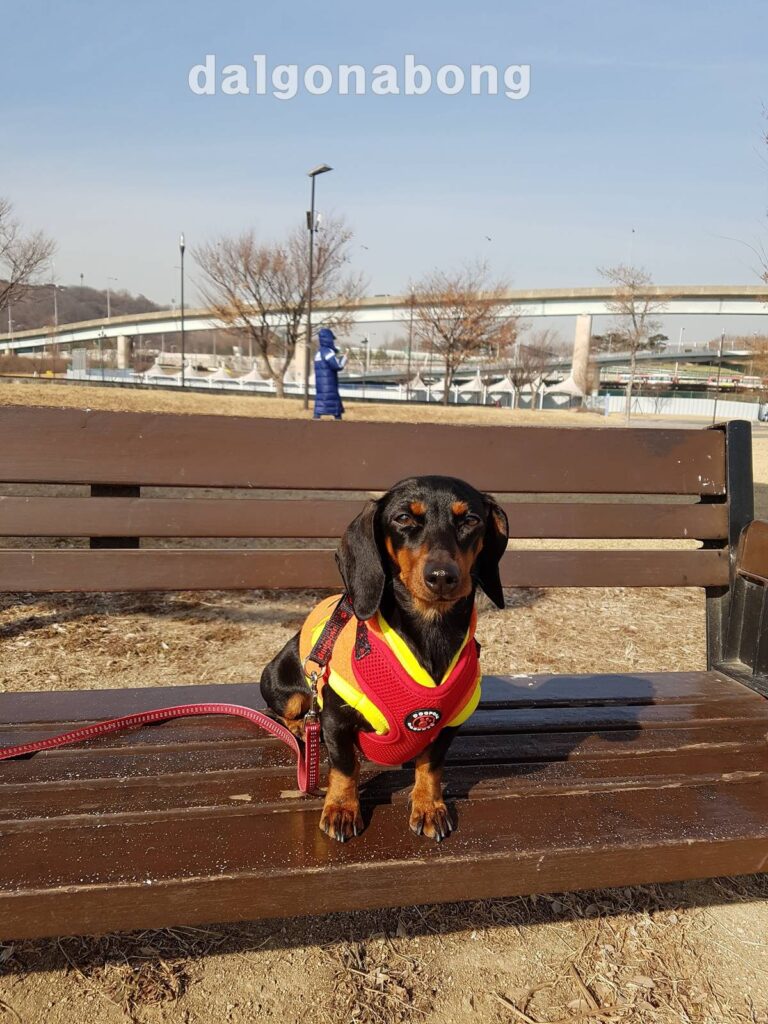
584, 483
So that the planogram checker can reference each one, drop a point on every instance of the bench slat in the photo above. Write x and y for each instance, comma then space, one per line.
237, 517
85, 767
94, 447
118, 570
237, 864
32, 707
485, 721
187, 785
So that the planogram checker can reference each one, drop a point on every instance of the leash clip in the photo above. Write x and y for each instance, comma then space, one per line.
313, 679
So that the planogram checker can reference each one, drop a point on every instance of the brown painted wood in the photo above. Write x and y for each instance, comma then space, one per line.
235, 517
485, 722
185, 785
559, 782
752, 557
633, 741
47, 571
639, 688
117, 766
196, 821
239, 863
616, 520
119, 539
174, 517
223, 451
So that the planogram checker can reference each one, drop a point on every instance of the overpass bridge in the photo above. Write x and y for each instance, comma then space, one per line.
688, 354
682, 300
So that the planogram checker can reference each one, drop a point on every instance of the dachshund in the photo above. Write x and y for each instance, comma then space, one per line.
415, 557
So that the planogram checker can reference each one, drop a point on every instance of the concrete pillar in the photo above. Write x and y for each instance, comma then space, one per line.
124, 352
582, 340
298, 361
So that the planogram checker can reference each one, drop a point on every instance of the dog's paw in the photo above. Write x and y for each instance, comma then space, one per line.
341, 821
431, 818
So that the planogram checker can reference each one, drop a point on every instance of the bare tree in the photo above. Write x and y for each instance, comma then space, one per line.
636, 309
457, 315
756, 344
22, 256
260, 289
531, 357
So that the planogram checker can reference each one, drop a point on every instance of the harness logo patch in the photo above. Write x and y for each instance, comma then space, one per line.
422, 720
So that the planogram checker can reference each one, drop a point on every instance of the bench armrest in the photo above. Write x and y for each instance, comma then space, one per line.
746, 642
752, 555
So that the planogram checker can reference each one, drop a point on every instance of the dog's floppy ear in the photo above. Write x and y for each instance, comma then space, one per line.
360, 565
494, 546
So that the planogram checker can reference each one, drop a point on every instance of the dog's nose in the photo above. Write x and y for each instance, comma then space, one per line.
441, 577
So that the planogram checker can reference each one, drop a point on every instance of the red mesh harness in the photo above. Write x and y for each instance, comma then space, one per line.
415, 713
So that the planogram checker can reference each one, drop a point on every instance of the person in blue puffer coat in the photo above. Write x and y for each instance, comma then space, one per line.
329, 362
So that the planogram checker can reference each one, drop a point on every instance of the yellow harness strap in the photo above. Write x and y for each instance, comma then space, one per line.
341, 677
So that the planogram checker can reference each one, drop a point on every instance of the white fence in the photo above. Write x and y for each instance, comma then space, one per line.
653, 405
677, 406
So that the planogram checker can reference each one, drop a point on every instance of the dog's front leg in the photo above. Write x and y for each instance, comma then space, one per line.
341, 818
429, 815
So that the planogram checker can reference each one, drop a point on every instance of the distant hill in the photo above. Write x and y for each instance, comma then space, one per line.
75, 303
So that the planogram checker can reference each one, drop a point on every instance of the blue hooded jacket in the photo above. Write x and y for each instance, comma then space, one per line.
328, 364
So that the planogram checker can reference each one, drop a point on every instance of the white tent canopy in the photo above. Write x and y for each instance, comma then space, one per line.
503, 387
252, 377
417, 383
566, 387
474, 386
222, 374
155, 370
535, 385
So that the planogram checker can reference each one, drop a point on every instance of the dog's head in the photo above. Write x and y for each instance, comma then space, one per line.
433, 535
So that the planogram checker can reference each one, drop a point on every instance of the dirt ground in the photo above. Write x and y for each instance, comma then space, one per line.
691, 953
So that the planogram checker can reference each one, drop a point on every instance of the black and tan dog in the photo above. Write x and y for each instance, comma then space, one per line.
415, 556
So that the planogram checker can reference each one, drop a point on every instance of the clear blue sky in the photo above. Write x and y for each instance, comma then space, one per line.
639, 116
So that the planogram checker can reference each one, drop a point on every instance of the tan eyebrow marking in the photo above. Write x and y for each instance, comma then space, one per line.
459, 508
418, 508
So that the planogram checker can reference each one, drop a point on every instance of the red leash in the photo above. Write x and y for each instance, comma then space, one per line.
308, 755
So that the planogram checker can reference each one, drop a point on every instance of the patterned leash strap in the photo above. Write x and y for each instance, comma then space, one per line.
321, 652
307, 755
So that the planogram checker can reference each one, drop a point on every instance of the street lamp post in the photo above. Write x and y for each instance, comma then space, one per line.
109, 297
56, 288
410, 351
321, 169
182, 247
366, 343
719, 373
102, 335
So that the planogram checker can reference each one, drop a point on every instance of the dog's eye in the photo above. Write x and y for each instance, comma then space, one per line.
471, 519
404, 520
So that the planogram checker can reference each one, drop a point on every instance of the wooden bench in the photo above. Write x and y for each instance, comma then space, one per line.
559, 782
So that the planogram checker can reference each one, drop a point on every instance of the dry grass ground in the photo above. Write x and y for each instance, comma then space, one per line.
693, 953
139, 400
